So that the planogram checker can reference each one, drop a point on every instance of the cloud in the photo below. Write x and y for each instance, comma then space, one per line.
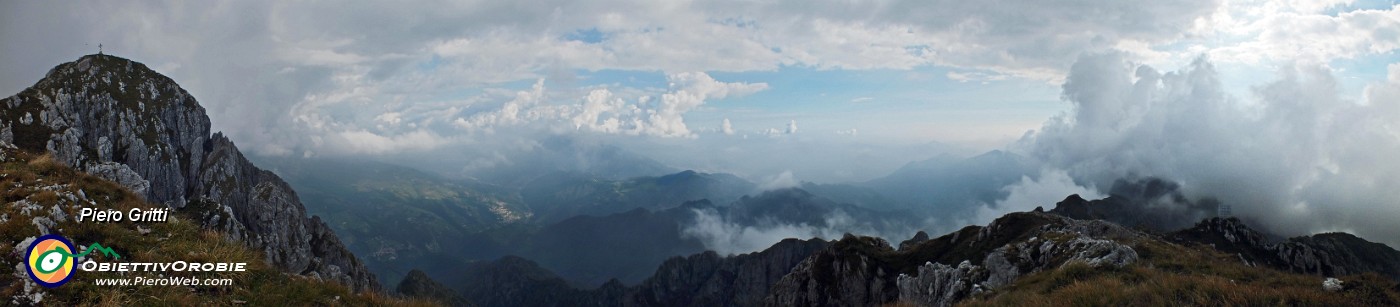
1295, 155
730, 238
689, 91
522, 109
1290, 31
862, 99
850, 132
365, 142
780, 181
1051, 186
974, 76
278, 75
726, 128
791, 127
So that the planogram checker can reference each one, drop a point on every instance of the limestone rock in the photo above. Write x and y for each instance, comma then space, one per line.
121, 174
120, 120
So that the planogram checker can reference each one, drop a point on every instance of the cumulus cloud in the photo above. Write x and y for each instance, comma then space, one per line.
850, 132
726, 128
1295, 155
689, 91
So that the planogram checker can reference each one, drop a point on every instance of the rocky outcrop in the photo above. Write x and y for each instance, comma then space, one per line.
125, 122
939, 284
1327, 254
863, 271
706, 279
847, 274
418, 285
919, 237
121, 174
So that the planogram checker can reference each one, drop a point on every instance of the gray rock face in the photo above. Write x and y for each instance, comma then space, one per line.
938, 284
120, 120
121, 174
706, 279
860, 271
849, 273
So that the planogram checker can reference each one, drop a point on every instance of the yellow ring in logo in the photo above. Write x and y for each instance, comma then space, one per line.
49, 262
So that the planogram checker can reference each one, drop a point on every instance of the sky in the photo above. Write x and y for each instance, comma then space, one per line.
1289, 106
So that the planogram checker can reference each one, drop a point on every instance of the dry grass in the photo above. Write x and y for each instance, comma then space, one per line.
1173, 275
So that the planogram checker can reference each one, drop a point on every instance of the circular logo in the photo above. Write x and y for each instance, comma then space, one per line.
49, 262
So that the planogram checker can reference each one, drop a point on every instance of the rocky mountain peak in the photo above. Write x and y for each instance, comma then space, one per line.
120, 120
1229, 230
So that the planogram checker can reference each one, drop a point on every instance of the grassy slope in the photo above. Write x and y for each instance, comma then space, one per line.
1175, 275
25, 178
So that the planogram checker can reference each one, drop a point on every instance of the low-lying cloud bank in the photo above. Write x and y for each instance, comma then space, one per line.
730, 237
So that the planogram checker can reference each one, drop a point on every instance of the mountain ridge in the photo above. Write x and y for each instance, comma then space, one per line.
1035, 256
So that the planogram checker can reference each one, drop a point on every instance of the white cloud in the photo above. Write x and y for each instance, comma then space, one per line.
974, 76
850, 132
726, 128
1253, 32
598, 102
602, 110
780, 181
365, 142
791, 127
1385, 96
276, 75
1296, 155
729, 238
1051, 186
524, 107
689, 91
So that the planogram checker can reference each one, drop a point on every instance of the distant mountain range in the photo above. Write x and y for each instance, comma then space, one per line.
563, 195
397, 218
586, 228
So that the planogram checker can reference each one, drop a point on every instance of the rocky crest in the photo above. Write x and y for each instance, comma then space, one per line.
1327, 254
124, 122
707, 279
864, 271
